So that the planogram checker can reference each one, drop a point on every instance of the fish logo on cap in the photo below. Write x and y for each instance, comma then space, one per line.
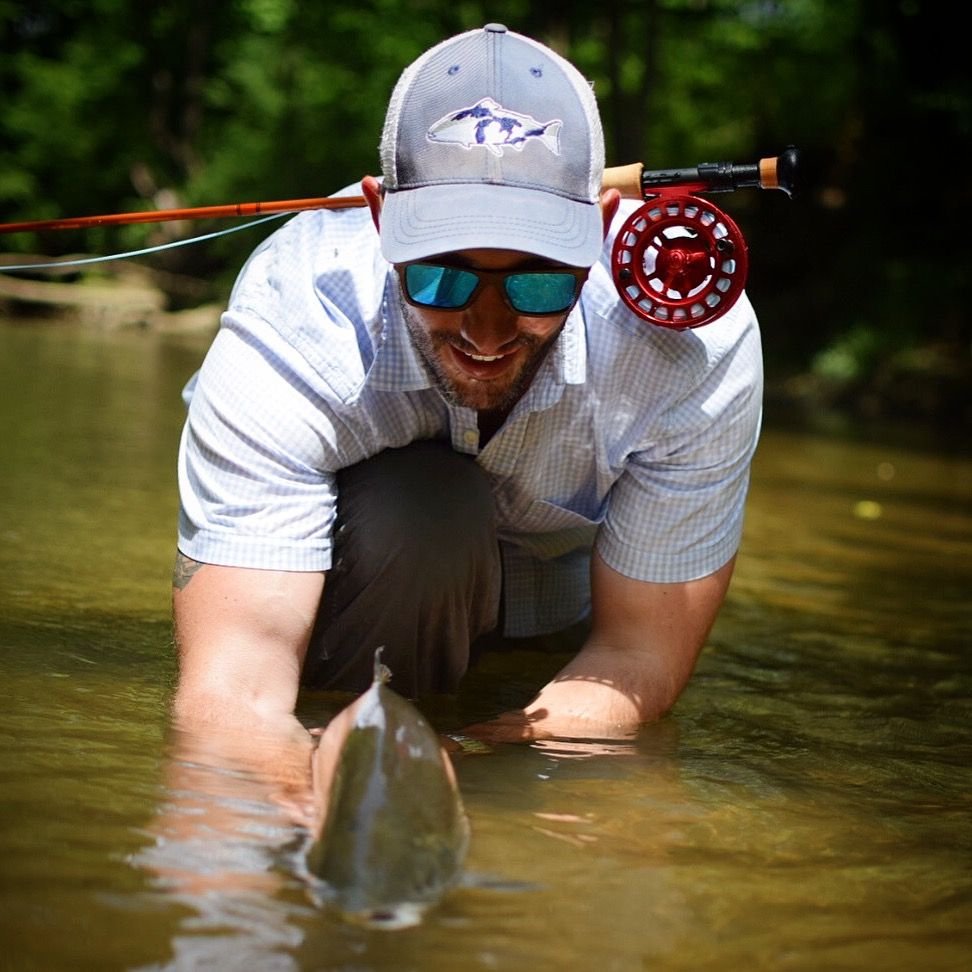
489, 125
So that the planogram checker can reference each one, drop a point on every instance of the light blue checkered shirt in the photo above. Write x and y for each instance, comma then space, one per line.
633, 438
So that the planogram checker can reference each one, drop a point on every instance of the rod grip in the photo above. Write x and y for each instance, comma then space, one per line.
626, 179
636, 182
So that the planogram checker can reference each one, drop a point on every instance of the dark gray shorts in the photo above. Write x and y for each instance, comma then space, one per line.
416, 570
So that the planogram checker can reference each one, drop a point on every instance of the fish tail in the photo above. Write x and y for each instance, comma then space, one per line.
551, 137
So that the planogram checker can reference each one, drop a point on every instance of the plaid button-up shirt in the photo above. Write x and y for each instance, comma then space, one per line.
631, 438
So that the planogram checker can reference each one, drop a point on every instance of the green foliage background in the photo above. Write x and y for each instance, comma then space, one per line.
111, 105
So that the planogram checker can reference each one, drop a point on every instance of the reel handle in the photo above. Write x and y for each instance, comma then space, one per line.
636, 182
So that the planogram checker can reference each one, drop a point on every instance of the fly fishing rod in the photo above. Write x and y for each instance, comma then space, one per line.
678, 261
198, 212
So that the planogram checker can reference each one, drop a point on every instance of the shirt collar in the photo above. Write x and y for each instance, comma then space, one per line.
571, 348
397, 365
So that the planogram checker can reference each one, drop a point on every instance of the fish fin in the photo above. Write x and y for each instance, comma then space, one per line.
382, 672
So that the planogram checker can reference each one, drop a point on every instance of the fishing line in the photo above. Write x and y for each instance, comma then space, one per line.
134, 253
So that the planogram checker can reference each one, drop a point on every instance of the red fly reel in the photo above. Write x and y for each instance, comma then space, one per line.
679, 261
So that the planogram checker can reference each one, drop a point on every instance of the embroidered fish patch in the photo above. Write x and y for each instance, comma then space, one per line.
489, 125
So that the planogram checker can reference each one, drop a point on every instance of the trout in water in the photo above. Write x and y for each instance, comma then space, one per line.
390, 831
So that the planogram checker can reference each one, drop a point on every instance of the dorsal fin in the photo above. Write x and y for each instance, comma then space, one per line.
382, 672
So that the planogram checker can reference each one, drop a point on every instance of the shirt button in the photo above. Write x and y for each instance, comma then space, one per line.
471, 437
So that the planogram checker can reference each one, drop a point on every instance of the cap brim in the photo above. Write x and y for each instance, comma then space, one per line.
419, 223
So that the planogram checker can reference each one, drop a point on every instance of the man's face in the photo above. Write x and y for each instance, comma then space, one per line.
485, 355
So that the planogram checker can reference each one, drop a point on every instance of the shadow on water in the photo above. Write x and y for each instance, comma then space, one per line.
806, 806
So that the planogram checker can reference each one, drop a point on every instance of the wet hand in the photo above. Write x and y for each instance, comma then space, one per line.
561, 734
508, 727
460, 744
275, 751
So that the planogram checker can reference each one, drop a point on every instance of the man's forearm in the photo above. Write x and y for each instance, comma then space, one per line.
241, 635
602, 693
640, 655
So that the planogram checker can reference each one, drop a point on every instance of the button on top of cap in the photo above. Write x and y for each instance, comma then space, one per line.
495, 28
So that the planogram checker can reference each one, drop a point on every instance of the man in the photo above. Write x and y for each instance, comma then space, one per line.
453, 426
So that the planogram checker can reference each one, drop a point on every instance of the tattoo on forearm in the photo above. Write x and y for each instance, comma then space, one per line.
185, 567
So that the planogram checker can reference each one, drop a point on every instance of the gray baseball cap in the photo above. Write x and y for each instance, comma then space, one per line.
492, 140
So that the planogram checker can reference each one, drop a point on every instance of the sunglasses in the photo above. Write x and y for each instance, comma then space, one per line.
533, 292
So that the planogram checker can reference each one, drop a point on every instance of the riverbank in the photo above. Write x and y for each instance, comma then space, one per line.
923, 385
128, 295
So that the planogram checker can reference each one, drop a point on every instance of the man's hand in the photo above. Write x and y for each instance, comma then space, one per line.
595, 696
276, 754
640, 654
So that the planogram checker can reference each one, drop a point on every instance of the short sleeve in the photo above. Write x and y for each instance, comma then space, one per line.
253, 459
676, 512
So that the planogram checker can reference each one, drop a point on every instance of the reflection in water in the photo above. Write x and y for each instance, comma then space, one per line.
807, 805
218, 840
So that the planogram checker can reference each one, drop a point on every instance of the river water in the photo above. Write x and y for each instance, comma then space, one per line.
808, 805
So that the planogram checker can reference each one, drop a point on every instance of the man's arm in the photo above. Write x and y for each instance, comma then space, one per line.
242, 635
638, 658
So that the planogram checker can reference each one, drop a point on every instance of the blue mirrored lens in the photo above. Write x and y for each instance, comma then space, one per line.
541, 293
439, 286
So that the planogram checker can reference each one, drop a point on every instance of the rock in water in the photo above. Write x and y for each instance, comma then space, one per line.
390, 831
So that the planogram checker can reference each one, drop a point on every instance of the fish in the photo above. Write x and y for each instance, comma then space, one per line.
489, 125
389, 832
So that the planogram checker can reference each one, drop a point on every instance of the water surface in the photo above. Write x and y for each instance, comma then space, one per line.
806, 806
